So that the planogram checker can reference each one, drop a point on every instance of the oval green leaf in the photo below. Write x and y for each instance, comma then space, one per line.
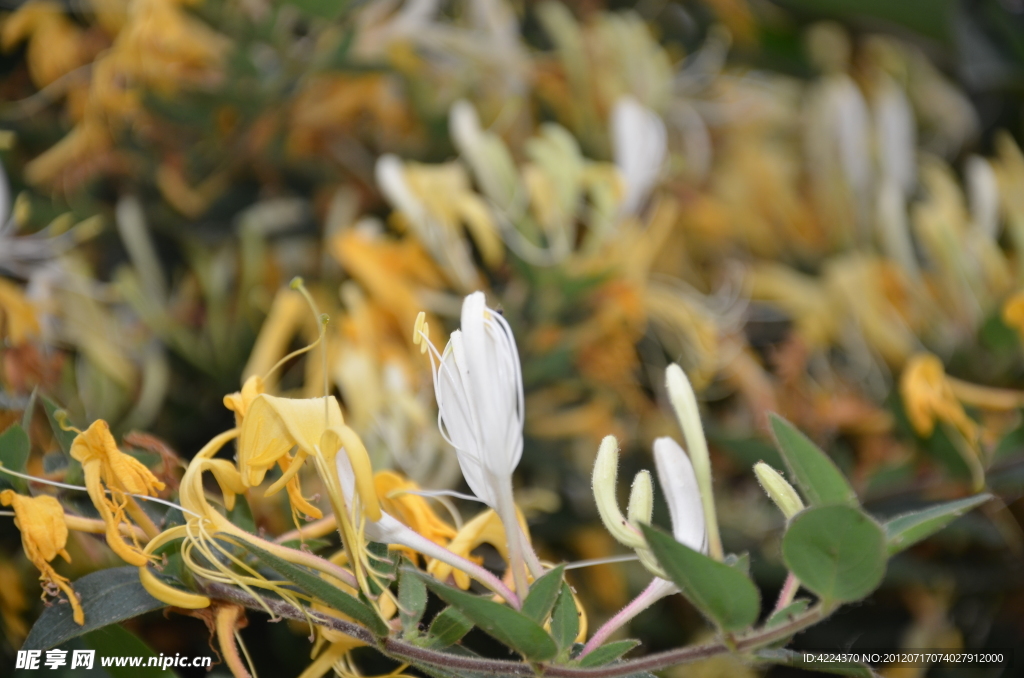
565, 619
543, 594
820, 479
723, 593
838, 552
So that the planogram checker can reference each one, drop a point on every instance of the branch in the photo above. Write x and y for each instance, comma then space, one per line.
404, 651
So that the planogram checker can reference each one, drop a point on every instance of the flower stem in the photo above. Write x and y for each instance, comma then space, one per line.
789, 589
655, 591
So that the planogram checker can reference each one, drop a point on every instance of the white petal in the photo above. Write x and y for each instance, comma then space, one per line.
679, 483
983, 195
896, 133
639, 145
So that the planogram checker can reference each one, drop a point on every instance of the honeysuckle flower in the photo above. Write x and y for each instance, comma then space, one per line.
438, 203
106, 469
44, 535
56, 45
387, 529
398, 497
479, 387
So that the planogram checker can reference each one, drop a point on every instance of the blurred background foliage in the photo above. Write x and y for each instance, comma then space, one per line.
794, 200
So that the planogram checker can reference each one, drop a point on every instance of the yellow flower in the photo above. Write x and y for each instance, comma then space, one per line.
486, 528
928, 396
18, 321
12, 603
1013, 312
44, 534
55, 44
108, 468
396, 498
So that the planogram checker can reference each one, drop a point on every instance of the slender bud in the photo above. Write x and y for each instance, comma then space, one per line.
606, 471
778, 490
684, 402
641, 499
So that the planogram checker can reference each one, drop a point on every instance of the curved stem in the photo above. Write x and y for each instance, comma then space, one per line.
403, 651
655, 591
789, 589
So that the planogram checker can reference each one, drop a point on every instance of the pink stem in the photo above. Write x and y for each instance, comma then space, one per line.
655, 591
789, 589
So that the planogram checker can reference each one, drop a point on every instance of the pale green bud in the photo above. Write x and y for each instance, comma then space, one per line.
778, 490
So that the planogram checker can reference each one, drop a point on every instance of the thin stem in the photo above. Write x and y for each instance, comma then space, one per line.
402, 651
655, 591
789, 589
507, 513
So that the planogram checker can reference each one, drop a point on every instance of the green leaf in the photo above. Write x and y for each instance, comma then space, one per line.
115, 641
608, 653
565, 619
14, 449
543, 594
796, 659
323, 9
722, 593
412, 601
30, 410
820, 479
312, 584
787, 613
836, 551
108, 596
448, 628
906, 530
511, 627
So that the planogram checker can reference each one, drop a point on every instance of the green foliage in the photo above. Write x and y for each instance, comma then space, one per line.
448, 628
608, 653
14, 449
819, 478
511, 627
543, 594
108, 596
906, 530
787, 613
319, 588
565, 619
412, 601
115, 641
723, 593
838, 552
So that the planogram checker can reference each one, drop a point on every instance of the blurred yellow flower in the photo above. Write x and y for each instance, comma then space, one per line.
928, 396
18, 320
44, 535
56, 45
398, 499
